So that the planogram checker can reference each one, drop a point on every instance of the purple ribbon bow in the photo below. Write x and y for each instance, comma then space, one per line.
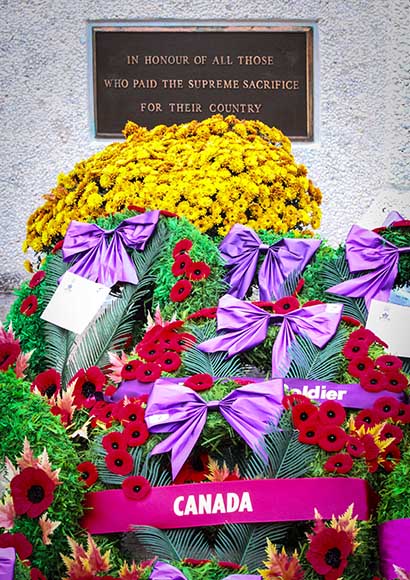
366, 250
103, 261
163, 571
179, 410
246, 326
241, 249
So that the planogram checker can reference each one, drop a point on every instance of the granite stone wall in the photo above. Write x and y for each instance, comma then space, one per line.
361, 154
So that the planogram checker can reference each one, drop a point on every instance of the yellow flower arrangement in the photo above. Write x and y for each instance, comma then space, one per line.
216, 173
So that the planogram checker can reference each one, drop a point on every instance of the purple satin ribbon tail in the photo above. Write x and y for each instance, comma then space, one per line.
163, 571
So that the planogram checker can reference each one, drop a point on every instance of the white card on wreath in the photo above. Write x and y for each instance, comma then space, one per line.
391, 323
75, 302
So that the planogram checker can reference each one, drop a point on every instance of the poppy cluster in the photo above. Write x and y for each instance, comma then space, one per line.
383, 373
186, 270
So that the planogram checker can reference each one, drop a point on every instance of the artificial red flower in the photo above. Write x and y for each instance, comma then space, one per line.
88, 386
9, 352
308, 432
371, 450
350, 320
364, 335
388, 362
181, 265
359, 365
119, 462
312, 303
130, 413
203, 313
354, 349
304, 412
19, 542
339, 463
354, 446
32, 492
403, 414
367, 417
57, 246
37, 278
169, 361
390, 431
396, 381
195, 561
391, 456
135, 433
264, 304
129, 370
328, 552
167, 213
293, 399
29, 305
150, 351
102, 412
181, 341
299, 286
229, 565
88, 473
113, 441
36, 574
180, 290
199, 382
332, 412
137, 208
48, 383
182, 247
148, 372
373, 381
136, 487
331, 438
194, 470
198, 271
286, 304
387, 407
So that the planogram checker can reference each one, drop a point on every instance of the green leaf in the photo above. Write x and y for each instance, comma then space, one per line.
173, 544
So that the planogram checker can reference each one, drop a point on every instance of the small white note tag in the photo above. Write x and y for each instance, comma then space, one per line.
391, 323
75, 302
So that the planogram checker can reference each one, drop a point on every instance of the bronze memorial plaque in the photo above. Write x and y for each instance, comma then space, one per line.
163, 76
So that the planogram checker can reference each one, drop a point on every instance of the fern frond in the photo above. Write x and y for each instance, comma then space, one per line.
289, 285
314, 363
335, 272
144, 261
173, 544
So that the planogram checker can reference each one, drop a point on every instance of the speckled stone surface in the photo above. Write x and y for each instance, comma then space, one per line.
360, 158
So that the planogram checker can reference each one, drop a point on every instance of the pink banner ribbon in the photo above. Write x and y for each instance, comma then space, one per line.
214, 504
393, 546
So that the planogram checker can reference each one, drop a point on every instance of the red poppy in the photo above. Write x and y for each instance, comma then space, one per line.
135, 433
391, 457
354, 446
19, 542
36, 574
198, 271
182, 247
169, 361
9, 352
57, 246
29, 305
354, 349
229, 565
350, 320
264, 304
367, 417
299, 286
88, 386
359, 365
204, 313
388, 362
130, 413
102, 412
149, 351
339, 463
373, 381
308, 432
194, 470
48, 383
136, 487
293, 399
113, 441
396, 381
371, 450
304, 412
391, 431
181, 265
195, 561
32, 492
387, 407
403, 414
332, 412
88, 473
37, 278
286, 304
148, 372
181, 341
363, 335
243, 382
180, 290
119, 461
199, 382
331, 438
129, 370
328, 552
